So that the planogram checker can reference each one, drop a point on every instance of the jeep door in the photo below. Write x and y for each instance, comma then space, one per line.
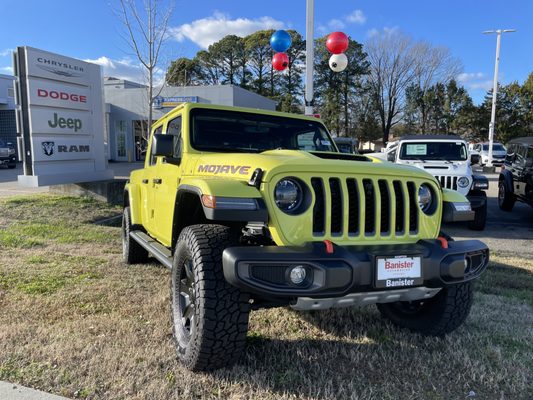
148, 186
518, 170
167, 178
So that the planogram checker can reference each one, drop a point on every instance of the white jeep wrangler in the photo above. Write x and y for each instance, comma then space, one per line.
446, 157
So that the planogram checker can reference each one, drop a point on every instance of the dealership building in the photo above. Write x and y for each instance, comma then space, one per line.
126, 111
8, 125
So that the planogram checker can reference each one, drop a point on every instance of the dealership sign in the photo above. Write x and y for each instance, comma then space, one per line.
60, 118
165, 102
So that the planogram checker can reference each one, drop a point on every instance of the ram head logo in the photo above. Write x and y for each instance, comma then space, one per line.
48, 148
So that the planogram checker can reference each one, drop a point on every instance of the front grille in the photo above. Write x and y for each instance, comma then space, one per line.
448, 182
4, 152
388, 206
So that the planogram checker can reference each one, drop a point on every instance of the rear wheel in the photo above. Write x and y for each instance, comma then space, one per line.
132, 252
210, 317
506, 199
437, 316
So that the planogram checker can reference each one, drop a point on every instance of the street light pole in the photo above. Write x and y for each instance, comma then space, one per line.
492, 124
309, 56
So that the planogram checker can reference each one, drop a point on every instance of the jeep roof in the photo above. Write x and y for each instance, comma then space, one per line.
431, 137
527, 140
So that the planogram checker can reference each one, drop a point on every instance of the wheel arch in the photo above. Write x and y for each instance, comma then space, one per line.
132, 199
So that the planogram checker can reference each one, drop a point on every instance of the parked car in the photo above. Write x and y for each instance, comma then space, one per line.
516, 178
252, 209
498, 153
7, 154
447, 158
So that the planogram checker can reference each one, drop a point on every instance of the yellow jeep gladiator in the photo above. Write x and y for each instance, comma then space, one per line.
253, 209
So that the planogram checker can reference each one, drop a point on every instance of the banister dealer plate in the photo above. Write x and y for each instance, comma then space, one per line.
399, 271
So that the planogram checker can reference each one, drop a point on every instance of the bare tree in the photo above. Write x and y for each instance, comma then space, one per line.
391, 72
397, 63
433, 65
147, 28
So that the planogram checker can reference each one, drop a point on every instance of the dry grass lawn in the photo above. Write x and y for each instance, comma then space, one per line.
77, 322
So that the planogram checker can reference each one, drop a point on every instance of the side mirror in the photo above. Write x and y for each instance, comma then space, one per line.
162, 145
474, 159
390, 156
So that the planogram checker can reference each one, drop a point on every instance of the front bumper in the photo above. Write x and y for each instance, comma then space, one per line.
350, 269
12, 159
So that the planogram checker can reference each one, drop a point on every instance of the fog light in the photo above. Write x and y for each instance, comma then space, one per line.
297, 274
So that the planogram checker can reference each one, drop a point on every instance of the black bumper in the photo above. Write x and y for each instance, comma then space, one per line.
8, 160
350, 269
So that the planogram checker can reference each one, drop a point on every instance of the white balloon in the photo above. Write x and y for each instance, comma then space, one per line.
338, 62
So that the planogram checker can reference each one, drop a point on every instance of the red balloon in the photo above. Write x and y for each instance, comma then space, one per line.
337, 43
280, 61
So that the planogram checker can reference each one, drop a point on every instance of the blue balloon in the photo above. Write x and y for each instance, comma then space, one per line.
280, 41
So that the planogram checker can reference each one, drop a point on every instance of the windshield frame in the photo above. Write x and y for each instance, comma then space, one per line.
420, 157
238, 115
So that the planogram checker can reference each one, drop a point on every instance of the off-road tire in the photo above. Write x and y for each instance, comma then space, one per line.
209, 316
480, 218
506, 199
132, 252
437, 316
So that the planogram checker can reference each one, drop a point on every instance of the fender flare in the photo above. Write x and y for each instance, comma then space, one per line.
260, 214
132, 198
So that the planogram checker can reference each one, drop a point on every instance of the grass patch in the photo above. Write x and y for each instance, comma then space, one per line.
76, 322
510, 277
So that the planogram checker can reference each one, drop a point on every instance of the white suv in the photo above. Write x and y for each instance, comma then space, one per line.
446, 157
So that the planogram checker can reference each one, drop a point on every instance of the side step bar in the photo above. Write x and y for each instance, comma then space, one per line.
160, 252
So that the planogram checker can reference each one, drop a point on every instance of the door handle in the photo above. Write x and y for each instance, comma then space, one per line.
145, 181
157, 181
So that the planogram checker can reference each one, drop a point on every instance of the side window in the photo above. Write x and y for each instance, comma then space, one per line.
530, 153
153, 159
174, 129
520, 155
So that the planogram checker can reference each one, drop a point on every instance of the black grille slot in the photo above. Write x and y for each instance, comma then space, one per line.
413, 207
400, 206
454, 185
385, 206
319, 208
370, 206
269, 273
336, 206
353, 207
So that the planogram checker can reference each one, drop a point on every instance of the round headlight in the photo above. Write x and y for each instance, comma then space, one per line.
425, 198
288, 195
463, 181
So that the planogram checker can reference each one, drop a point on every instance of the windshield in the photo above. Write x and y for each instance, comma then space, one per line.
345, 148
495, 147
450, 151
233, 131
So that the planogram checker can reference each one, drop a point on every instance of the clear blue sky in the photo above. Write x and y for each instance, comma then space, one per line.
89, 30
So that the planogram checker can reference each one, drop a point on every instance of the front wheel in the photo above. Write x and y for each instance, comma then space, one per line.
480, 217
210, 317
436, 316
506, 199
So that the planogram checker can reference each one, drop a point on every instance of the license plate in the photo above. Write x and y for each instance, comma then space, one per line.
399, 271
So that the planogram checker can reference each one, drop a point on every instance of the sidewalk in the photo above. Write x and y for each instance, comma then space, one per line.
12, 391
